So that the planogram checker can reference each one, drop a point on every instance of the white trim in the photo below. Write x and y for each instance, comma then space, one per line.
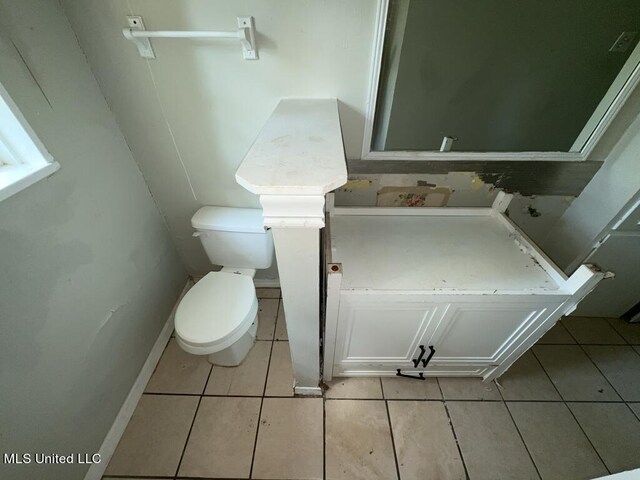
266, 282
96, 470
334, 280
611, 103
590, 138
15, 178
414, 211
27, 159
370, 107
308, 391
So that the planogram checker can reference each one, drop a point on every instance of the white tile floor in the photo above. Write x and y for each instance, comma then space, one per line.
568, 409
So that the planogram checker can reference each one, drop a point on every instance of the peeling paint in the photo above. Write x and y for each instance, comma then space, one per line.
413, 197
476, 183
356, 185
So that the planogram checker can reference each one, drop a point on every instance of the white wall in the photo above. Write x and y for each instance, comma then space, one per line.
191, 114
88, 274
611, 190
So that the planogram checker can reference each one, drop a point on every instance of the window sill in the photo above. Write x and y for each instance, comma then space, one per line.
14, 178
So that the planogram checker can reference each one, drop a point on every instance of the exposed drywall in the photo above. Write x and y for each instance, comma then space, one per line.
88, 272
191, 114
534, 214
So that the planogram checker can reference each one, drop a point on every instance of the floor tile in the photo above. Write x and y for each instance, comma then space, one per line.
405, 388
289, 439
358, 441
588, 330
424, 441
280, 377
246, 379
629, 331
268, 292
637, 348
621, 366
636, 409
468, 388
354, 387
155, 437
490, 443
527, 380
267, 312
179, 372
573, 373
281, 325
556, 335
222, 438
614, 431
556, 442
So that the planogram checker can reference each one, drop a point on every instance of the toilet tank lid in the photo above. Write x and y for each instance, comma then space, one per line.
229, 219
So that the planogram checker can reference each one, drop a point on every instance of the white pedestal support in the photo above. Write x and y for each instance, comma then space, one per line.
299, 268
297, 158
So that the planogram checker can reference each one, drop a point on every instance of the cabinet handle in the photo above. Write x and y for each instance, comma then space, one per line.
425, 362
428, 359
419, 377
416, 361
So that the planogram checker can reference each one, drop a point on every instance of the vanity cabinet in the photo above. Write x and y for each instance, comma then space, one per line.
465, 282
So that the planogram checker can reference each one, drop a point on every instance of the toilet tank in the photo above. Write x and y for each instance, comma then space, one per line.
234, 237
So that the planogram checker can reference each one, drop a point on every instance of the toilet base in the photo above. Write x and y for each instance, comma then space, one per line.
233, 355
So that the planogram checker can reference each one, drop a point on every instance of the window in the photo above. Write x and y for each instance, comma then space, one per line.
499, 79
23, 158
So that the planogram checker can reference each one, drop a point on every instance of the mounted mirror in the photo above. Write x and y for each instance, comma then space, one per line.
499, 79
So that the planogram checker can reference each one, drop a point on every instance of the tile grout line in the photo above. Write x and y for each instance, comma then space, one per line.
600, 371
626, 342
579, 345
210, 395
453, 430
393, 442
515, 424
633, 411
606, 379
264, 390
324, 438
567, 407
184, 448
616, 330
193, 422
588, 439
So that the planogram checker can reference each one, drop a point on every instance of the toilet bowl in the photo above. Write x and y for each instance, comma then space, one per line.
218, 317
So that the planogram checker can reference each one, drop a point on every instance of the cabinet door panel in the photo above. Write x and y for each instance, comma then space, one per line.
481, 332
380, 331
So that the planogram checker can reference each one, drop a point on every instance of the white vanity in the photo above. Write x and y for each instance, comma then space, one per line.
462, 284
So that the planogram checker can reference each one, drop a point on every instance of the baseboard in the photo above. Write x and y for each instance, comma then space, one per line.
308, 391
266, 282
96, 471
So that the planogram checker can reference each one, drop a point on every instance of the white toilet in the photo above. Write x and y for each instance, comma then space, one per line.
218, 316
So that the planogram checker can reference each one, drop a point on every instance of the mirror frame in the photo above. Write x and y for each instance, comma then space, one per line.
588, 138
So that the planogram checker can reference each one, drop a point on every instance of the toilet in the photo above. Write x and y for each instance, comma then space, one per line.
218, 316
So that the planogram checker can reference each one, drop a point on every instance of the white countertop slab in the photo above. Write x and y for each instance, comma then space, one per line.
453, 253
298, 152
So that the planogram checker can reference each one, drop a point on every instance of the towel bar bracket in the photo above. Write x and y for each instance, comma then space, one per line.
139, 35
143, 43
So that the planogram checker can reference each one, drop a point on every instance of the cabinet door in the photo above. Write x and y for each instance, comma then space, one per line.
381, 329
483, 332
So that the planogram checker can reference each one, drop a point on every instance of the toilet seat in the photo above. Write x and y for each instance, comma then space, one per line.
215, 312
